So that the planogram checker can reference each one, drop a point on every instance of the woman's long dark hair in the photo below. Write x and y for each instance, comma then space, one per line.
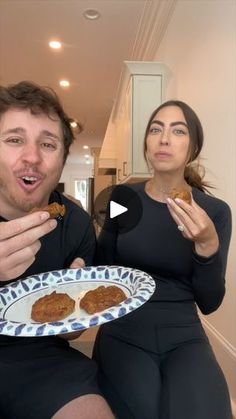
194, 173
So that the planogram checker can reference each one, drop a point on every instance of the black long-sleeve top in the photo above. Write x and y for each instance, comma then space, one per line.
156, 246
73, 237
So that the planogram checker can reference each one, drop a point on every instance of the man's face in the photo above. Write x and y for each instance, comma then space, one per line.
31, 160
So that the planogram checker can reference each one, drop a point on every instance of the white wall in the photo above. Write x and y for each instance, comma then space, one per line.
72, 172
75, 167
199, 48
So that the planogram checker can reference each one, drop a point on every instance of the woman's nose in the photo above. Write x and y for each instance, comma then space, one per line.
165, 137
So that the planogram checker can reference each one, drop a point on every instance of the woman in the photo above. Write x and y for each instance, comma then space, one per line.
157, 361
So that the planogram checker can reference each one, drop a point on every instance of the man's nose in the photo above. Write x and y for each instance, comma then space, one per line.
31, 153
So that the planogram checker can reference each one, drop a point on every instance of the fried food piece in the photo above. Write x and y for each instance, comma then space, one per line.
55, 210
183, 194
102, 298
52, 307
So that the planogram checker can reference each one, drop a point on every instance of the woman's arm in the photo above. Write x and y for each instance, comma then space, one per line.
209, 272
210, 232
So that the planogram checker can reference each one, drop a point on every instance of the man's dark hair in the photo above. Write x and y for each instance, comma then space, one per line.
39, 99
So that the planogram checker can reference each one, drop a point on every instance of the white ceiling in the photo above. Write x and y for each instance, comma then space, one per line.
92, 54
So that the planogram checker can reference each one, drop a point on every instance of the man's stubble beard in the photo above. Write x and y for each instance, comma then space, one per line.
26, 203
23, 203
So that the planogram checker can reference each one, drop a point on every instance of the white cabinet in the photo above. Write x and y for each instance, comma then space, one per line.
140, 91
123, 135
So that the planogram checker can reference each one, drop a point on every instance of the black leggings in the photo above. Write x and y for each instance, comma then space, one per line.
183, 383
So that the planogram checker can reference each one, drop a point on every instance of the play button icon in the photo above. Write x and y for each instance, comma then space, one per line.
116, 209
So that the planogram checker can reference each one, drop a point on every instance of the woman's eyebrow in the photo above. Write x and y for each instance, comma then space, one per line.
178, 123
155, 121
172, 124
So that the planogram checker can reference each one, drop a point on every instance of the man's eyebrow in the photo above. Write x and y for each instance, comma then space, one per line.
172, 124
20, 130
17, 130
49, 134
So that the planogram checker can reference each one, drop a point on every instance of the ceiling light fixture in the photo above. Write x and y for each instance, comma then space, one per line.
64, 83
76, 126
91, 14
85, 147
55, 44
73, 124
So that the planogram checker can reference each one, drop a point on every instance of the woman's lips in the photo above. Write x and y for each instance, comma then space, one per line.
162, 155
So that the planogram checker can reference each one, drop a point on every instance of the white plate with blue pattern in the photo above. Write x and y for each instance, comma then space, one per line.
16, 299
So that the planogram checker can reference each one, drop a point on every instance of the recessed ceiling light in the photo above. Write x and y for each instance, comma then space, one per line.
73, 124
85, 147
91, 14
86, 156
64, 83
87, 162
55, 44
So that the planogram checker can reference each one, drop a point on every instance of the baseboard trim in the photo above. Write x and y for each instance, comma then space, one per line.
233, 409
226, 355
224, 342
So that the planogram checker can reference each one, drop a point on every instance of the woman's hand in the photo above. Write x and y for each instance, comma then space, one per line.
72, 335
19, 242
195, 225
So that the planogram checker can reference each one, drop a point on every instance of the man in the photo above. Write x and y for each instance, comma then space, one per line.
43, 377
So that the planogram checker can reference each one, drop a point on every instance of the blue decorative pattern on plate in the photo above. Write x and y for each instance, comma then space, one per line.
16, 299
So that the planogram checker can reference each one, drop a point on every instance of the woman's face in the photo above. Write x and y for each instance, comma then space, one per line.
168, 141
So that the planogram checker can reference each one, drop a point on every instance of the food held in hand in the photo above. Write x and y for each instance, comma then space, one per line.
102, 298
55, 210
52, 307
183, 194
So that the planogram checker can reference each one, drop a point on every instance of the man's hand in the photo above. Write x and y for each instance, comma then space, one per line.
19, 242
77, 263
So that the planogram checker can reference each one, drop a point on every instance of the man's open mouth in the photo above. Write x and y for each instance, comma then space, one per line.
29, 180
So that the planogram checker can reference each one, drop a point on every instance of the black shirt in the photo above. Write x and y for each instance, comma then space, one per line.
73, 237
156, 246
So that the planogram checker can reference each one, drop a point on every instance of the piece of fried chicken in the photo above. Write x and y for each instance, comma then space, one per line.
102, 298
52, 307
55, 210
